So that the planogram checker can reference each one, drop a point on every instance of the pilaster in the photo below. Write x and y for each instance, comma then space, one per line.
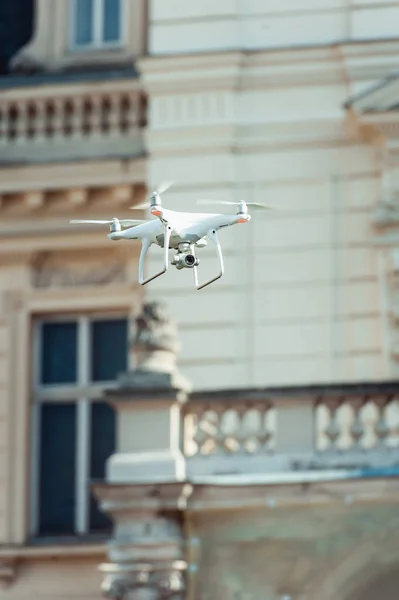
144, 491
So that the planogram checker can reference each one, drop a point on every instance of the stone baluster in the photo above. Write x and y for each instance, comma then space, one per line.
381, 428
357, 428
95, 115
77, 117
39, 125
241, 433
133, 112
21, 122
333, 430
219, 436
57, 118
3, 123
200, 436
114, 115
264, 435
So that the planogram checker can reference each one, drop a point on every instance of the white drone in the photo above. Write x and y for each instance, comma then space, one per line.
180, 231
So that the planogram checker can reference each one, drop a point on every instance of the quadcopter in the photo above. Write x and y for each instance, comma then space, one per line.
180, 231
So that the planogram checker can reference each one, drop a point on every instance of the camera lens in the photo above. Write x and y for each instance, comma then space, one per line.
189, 259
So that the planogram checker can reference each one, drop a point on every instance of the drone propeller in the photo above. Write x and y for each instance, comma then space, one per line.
228, 202
123, 222
161, 189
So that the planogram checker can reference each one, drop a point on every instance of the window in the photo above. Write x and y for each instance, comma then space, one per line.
74, 433
97, 23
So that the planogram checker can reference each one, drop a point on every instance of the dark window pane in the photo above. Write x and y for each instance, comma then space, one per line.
59, 353
102, 445
112, 21
57, 469
108, 349
83, 25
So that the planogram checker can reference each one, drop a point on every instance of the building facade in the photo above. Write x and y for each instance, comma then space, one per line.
295, 105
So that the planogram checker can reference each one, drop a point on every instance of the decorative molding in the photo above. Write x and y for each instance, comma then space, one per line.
67, 199
66, 175
268, 68
47, 273
147, 580
221, 137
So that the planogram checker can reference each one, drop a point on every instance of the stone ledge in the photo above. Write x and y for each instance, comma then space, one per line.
12, 553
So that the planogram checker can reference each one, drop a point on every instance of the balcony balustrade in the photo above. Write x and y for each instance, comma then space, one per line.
291, 434
68, 122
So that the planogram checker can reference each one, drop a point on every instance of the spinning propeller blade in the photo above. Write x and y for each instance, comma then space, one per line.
123, 222
230, 203
90, 221
164, 186
161, 189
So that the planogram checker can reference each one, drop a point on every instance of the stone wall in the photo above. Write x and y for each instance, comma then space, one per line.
309, 552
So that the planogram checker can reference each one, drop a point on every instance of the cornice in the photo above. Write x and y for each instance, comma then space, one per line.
194, 72
12, 553
58, 88
345, 63
259, 137
242, 497
60, 176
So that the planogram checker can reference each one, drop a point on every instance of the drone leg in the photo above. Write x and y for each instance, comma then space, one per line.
215, 239
144, 249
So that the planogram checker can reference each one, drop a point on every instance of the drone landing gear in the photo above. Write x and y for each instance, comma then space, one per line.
144, 249
215, 239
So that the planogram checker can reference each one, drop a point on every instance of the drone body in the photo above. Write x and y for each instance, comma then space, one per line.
180, 231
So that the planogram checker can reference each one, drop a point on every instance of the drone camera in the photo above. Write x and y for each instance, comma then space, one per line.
186, 260
189, 260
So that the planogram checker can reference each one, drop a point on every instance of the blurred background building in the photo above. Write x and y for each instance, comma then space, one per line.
290, 438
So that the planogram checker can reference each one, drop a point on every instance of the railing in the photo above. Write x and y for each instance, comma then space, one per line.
60, 121
291, 433
214, 429
359, 424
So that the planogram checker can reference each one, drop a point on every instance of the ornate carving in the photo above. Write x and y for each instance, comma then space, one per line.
387, 213
48, 273
155, 345
156, 330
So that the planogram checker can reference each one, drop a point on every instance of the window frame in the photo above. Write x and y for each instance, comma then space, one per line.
82, 395
98, 43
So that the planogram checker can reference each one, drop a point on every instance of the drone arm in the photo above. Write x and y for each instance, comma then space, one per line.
146, 243
215, 239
